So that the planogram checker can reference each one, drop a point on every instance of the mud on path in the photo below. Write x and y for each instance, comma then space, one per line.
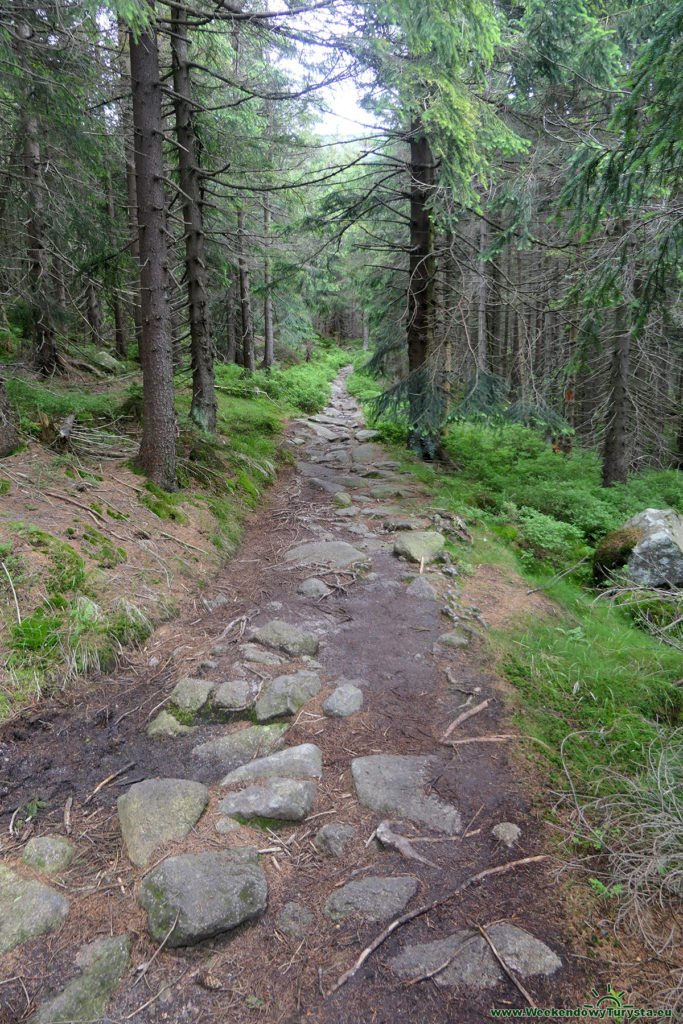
374, 632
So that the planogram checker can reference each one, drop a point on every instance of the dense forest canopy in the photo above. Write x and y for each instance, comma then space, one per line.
504, 229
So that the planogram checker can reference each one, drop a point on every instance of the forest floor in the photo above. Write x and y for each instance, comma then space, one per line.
375, 633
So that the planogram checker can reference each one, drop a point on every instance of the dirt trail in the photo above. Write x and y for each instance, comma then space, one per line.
372, 630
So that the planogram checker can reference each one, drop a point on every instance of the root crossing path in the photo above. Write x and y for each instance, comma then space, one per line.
296, 805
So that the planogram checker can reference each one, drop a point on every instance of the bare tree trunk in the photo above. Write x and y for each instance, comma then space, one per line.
420, 326
614, 460
93, 314
158, 447
269, 353
248, 357
365, 325
203, 408
120, 337
482, 338
9, 439
230, 332
131, 185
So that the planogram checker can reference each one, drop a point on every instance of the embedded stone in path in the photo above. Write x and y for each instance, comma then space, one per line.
313, 587
391, 490
234, 695
252, 652
396, 524
103, 964
156, 810
373, 899
396, 783
285, 637
418, 544
333, 838
239, 747
367, 435
421, 589
167, 726
366, 453
302, 762
341, 499
507, 832
294, 920
209, 893
345, 700
455, 638
284, 799
27, 909
470, 961
191, 694
49, 854
284, 695
335, 553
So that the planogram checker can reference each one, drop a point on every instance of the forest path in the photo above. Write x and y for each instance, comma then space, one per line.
463, 809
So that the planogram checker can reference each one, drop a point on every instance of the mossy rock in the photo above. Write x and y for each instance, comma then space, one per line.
614, 550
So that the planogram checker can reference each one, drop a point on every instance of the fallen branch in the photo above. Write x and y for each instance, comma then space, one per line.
515, 981
554, 580
109, 778
464, 716
493, 738
143, 968
399, 921
442, 967
400, 843
14, 593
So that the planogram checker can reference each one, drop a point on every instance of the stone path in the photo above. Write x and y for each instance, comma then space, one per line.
317, 719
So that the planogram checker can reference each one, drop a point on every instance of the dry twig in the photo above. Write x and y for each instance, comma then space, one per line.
464, 716
515, 981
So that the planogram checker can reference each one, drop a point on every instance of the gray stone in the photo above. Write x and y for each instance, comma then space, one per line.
391, 490
313, 587
302, 762
366, 453
27, 909
347, 513
225, 825
396, 783
103, 964
333, 838
285, 637
239, 747
455, 638
657, 558
345, 700
49, 854
294, 920
191, 694
373, 899
418, 544
367, 435
470, 960
167, 726
234, 694
252, 652
284, 695
507, 832
284, 799
342, 500
396, 524
421, 589
156, 810
209, 893
106, 361
335, 553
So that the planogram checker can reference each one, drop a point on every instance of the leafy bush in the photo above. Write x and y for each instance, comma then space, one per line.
549, 540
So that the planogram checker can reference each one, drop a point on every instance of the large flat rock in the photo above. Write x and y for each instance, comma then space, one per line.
469, 960
284, 799
284, 695
49, 854
396, 783
302, 762
335, 553
156, 810
190, 694
373, 899
84, 999
366, 453
205, 894
237, 748
418, 544
282, 636
27, 909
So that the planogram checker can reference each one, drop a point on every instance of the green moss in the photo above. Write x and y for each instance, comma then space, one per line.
614, 550
4, 485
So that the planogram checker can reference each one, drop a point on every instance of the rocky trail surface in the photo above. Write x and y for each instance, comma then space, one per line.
268, 815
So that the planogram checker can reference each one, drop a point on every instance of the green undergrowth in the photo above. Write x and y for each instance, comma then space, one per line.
36, 400
591, 686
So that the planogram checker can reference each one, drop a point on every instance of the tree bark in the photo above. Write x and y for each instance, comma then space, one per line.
203, 408
420, 326
9, 439
120, 336
230, 332
158, 447
614, 460
269, 353
248, 358
482, 337
131, 186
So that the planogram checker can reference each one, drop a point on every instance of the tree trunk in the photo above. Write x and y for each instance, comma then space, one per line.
203, 407
614, 461
269, 353
248, 357
131, 186
230, 332
120, 336
420, 326
158, 447
365, 325
9, 439
482, 338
